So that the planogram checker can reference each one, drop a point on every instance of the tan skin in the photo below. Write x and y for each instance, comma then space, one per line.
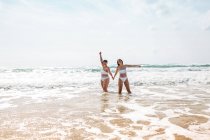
105, 83
120, 82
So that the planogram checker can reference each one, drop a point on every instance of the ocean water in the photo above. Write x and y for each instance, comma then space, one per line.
167, 102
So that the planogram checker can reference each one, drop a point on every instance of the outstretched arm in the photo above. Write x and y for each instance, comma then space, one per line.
110, 73
101, 59
135, 66
116, 72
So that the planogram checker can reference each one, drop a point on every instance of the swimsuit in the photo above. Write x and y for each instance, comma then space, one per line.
123, 75
104, 75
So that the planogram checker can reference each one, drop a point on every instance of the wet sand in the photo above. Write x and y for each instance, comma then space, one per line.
149, 113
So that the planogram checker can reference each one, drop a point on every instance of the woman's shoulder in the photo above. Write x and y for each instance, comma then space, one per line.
106, 68
118, 67
121, 67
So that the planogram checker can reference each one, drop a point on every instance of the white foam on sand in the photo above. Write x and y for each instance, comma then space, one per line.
6, 105
142, 113
155, 90
207, 110
22, 127
93, 130
139, 113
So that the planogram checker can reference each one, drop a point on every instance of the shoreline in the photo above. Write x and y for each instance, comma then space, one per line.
149, 113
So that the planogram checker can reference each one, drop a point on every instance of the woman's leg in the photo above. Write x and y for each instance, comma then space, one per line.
106, 84
127, 86
120, 85
102, 84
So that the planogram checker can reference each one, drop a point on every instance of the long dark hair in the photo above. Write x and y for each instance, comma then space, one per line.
118, 62
105, 61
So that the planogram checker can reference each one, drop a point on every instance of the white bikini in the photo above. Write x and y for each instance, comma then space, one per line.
104, 75
123, 75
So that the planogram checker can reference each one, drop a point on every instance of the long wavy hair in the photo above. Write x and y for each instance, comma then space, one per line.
118, 62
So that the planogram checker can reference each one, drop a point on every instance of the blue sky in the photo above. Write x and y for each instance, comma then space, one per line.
72, 32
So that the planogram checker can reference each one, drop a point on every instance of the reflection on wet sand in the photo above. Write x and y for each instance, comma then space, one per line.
186, 120
104, 102
109, 100
107, 116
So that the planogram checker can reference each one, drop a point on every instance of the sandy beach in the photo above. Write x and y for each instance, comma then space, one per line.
58, 56
62, 111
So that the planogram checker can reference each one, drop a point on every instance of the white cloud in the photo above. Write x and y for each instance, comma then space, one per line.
148, 31
205, 21
152, 28
207, 28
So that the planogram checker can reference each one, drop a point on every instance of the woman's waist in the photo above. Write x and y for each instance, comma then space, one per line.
104, 75
123, 75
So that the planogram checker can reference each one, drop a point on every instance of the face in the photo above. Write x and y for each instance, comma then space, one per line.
104, 63
120, 62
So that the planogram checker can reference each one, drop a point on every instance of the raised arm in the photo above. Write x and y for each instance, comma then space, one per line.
101, 59
135, 66
116, 72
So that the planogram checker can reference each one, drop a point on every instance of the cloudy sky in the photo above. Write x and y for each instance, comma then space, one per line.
68, 33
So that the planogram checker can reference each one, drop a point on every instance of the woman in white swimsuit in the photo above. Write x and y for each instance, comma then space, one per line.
123, 76
105, 74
